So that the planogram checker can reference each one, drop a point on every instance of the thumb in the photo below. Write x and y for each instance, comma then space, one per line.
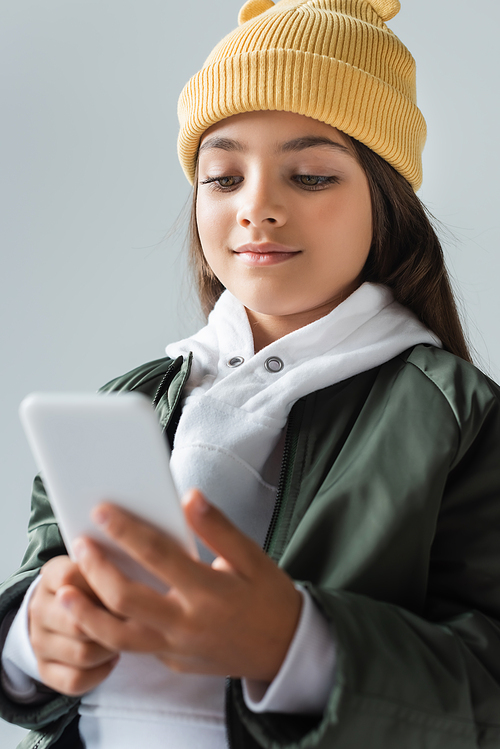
221, 535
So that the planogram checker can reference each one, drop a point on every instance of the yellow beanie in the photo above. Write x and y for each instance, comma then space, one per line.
333, 60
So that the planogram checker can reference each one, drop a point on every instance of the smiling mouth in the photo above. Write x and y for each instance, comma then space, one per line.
266, 253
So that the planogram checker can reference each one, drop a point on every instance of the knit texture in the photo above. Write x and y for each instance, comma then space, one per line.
333, 60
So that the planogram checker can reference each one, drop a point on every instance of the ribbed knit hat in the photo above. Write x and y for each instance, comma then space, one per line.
333, 60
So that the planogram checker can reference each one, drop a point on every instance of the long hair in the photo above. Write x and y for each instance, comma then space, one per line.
405, 254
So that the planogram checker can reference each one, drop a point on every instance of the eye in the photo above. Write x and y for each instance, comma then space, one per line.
309, 180
225, 183
314, 181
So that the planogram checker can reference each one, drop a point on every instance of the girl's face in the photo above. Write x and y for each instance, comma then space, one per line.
284, 214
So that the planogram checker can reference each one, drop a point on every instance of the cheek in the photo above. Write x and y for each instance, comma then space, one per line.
357, 227
345, 224
212, 233
212, 218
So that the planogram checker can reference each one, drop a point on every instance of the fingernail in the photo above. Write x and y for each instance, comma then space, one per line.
79, 548
66, 601
201, 505
100, 516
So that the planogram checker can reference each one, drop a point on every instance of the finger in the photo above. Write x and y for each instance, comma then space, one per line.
160, 554
70, 652
221, 536
74, 681
45, 614
125, 624
61, 571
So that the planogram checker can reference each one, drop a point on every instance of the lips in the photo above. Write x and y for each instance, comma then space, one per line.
265, 248
265, 253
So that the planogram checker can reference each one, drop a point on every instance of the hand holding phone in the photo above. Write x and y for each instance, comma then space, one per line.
92, 448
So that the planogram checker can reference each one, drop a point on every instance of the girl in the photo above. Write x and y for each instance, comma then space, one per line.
328, 413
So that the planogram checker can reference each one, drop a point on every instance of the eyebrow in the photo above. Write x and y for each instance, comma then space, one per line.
224, 144
312, 141
290, 146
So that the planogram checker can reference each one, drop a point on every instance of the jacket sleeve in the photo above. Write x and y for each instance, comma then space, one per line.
425, 676
44, 543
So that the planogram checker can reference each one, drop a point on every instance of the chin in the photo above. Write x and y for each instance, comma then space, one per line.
279, 310
267, 307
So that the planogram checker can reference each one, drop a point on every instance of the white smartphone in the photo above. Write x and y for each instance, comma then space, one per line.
92, 448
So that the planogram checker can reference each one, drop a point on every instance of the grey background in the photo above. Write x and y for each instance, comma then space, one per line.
90, 187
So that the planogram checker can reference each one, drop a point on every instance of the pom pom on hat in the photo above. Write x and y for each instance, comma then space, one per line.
333, 60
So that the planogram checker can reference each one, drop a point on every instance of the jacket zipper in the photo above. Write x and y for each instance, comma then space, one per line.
226, 732
163, 384
287, 451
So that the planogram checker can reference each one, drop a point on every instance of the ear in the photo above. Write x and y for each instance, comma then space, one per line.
253, 8
386, 9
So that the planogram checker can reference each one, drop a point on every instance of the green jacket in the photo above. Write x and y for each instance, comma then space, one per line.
389, 511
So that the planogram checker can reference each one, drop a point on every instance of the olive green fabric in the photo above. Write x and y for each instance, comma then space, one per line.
390, 515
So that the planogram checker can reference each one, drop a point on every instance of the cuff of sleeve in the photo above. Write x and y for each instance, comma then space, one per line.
19, 665
306, 677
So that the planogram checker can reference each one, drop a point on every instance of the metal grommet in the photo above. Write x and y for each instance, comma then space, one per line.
273, 364
236, 361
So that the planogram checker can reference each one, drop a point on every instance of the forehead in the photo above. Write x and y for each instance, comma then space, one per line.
272, 126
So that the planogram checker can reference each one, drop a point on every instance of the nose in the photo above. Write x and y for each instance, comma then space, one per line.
261, 204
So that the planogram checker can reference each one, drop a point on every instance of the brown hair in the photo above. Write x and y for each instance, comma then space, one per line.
405, 255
